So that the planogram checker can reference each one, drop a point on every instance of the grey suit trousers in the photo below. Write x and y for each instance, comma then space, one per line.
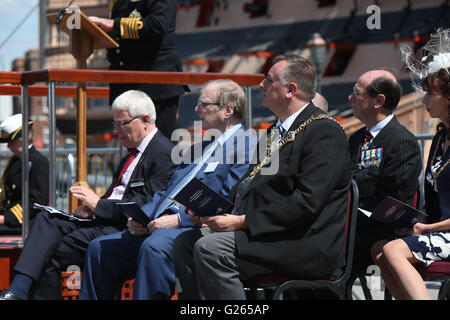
205, 265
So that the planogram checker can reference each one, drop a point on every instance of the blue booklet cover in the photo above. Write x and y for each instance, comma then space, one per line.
202, 200
396, 214
132, 210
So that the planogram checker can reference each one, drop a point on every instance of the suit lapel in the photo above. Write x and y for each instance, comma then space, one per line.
356, 143
309, 111
384, 133
152, 145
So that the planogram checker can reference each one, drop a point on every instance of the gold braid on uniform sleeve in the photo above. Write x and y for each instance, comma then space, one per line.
129, 28
17, 211
2, 185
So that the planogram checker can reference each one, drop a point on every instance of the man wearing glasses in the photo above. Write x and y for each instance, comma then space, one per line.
143, 252
56, 242
385, 156
290, 221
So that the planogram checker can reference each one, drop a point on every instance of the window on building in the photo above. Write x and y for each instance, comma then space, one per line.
340, 59
325, 3
257, 8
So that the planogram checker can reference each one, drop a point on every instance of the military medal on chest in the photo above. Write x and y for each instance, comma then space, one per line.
370, 157
365, 146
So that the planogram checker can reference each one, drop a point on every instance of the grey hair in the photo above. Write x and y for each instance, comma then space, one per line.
137, 103
301, 71
229, 93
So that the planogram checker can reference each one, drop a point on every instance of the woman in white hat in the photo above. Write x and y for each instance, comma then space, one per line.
428, 242
11, 180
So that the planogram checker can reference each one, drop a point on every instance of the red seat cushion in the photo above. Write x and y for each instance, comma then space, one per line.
436, 269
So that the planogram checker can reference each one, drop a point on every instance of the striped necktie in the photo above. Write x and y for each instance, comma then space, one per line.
281, 131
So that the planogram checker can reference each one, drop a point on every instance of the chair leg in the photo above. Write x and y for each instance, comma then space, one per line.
387, 294
444, 290
349, 286
256, 294
348, 290
250, 293
365, 288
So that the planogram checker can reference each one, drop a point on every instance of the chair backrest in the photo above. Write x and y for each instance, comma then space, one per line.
436, 269
281, 282
418, 200
352, 212
421, 192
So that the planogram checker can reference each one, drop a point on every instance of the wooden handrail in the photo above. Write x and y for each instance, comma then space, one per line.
119, 76
11, 77
90, 75
61, 91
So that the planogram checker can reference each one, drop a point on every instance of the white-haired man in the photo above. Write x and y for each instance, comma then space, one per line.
143, 252
54, 242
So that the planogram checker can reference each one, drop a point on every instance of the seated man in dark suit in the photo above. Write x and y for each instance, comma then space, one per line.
385, 156
144, 252
287, 220
55, 243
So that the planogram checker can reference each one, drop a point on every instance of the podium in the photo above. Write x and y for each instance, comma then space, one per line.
84, 38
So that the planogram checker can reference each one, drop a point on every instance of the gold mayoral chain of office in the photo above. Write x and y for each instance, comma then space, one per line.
436, 173
290, 137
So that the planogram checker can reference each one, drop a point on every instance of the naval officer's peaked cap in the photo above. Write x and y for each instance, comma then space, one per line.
11, 128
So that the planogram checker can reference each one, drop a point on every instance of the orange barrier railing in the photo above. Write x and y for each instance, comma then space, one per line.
11, 77
22, 83
61, 91
112, 76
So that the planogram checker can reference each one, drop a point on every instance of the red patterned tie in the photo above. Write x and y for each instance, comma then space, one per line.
367, 136
130, 159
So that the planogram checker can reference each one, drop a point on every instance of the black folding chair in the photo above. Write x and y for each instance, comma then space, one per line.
277, 285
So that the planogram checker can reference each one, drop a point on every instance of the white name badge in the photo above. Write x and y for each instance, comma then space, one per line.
211, 167
137, 184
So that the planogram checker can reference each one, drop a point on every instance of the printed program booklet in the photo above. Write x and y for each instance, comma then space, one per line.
395, 213
132, 210
201, 199
62, 213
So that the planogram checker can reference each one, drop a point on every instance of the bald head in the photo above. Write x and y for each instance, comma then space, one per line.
320, 102
382, 82
371, 75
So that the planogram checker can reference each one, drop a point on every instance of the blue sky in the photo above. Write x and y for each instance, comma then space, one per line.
25, 38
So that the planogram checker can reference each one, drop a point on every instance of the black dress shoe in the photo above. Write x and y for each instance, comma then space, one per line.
8, 295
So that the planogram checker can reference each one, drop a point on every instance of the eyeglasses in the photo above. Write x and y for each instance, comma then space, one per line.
119, 124
204, 105
357, 93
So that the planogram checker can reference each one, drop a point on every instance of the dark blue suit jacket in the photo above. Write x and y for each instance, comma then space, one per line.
222, 179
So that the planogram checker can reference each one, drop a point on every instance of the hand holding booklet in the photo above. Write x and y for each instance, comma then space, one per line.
133, 211
395, 213
62, 213
195, 196
201, 199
